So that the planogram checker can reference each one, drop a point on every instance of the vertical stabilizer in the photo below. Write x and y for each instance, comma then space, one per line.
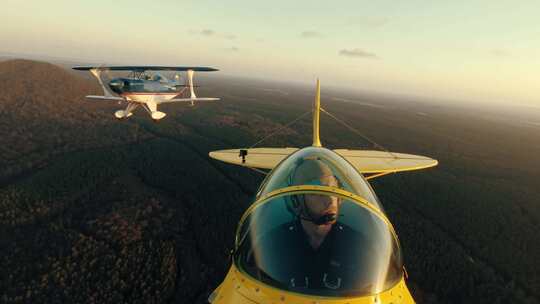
316, 116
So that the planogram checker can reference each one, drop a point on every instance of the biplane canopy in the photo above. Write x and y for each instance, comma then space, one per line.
346, 175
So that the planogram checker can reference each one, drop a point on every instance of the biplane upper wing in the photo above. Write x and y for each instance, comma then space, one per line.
371, 161
108, 95
262, 158
143, 68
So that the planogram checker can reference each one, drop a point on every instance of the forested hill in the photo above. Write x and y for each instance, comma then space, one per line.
96, 210
43, 113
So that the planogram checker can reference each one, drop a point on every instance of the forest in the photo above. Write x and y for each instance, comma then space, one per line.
95, 210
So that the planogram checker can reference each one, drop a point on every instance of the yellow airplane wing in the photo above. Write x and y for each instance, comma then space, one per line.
365, 161
262, 158
370, 161
376, 163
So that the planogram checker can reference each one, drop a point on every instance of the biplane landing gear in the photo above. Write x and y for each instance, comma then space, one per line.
157, 115
121, 114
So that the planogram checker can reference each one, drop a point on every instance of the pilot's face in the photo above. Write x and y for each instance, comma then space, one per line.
319, 205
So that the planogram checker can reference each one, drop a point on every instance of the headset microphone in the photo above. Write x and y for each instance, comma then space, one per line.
323, 220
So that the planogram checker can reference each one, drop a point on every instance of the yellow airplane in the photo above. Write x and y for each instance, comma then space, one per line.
316, 232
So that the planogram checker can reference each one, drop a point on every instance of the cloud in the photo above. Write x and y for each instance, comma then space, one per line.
311, 34
359, 53
207, 32
500, 53
212, 33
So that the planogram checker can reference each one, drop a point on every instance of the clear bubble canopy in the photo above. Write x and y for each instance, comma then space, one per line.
317, 228
298, 169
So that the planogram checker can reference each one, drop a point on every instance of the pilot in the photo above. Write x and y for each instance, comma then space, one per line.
314, 251
317, 213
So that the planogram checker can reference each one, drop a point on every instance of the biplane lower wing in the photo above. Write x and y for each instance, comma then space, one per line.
112, 98
191, 99
365, 161
262, 158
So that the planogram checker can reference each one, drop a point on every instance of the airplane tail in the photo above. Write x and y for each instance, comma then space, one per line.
316, 115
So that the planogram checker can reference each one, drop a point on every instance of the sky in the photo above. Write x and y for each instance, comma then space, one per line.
482, 51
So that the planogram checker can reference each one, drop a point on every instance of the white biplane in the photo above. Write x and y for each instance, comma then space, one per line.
146, 87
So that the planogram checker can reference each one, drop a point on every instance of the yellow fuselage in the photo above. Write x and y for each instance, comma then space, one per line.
239, 288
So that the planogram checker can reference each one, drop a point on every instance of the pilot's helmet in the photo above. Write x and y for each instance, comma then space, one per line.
313, 172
